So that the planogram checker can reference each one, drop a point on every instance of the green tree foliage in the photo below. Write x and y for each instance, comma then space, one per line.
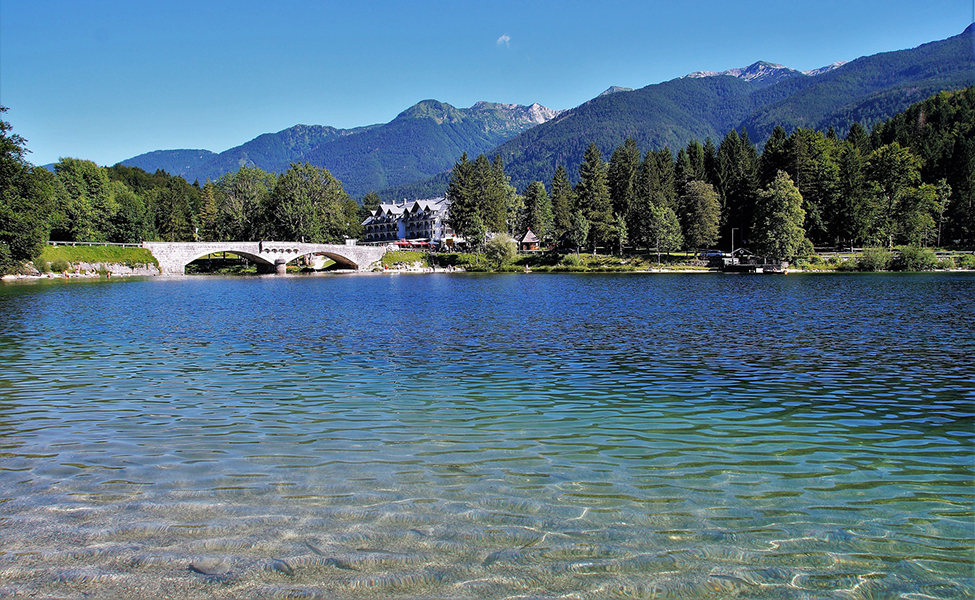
701, 214
464, 217
500, 249
174, 214
244, 194
778, 231
665, 229
538, 211
84, 200
563, 202
853, 214
129, 223
621, 176
308, 204
592, 197
370, 203
941, 132
893, 172
917, 215
26, 196
209, 217
578, 231
738, 181
481, 199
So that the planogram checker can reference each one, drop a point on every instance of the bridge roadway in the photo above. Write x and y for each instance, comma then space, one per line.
270, 257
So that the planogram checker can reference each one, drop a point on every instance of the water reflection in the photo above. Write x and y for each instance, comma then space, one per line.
457, 436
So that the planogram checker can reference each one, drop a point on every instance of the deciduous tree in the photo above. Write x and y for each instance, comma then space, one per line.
779, 229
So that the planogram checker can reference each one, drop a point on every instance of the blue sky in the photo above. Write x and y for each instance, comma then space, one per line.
106, 80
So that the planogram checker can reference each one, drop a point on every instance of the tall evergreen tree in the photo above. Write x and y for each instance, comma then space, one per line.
774, 156
853, 214
460, 195
623, 166
683, 171
738, 173
538, 211
696, 160
210, 213
712, 169
370, 202
174, 218
666, 192
592, 193
563, 202
860, 138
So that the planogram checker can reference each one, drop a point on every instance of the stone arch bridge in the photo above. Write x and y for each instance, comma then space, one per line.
270, 257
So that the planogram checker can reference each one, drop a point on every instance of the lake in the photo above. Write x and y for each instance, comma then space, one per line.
489, 436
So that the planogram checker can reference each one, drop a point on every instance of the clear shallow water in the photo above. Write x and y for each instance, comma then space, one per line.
438, 436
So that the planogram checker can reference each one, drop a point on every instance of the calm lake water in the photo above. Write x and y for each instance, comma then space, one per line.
507, 436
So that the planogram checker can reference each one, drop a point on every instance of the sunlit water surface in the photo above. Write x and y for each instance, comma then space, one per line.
539, 436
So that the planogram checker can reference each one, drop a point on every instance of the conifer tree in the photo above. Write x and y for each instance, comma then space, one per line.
563, 202
592, 193
463, 216
209, 214
538, 211
695, 155
623, 166
860, 138
683, 171
853, 213
738, 173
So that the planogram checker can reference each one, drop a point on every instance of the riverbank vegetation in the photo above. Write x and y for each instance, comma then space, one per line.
908, 183
58, 259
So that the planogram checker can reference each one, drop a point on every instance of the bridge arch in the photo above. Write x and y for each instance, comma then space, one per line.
270, 256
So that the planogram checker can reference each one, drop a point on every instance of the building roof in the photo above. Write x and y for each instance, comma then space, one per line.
529, 237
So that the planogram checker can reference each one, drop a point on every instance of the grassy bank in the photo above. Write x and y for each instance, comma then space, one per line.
64, 258
543, 262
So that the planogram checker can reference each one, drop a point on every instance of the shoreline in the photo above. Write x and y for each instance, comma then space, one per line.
91, 275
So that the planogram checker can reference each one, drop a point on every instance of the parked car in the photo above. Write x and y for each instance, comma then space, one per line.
709, 254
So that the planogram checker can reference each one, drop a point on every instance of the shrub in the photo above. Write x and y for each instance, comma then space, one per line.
874, 259
947, 263
60, 265
966, 261
913, 258
571, 260
43, 266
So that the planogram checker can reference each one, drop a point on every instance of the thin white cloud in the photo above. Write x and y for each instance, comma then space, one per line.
504, 40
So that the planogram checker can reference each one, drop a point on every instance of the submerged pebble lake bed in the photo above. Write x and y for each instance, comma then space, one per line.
489, 436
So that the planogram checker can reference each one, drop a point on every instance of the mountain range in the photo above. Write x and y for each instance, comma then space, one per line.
421, 141
409, 155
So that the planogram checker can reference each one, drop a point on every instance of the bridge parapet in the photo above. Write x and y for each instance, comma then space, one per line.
174, 256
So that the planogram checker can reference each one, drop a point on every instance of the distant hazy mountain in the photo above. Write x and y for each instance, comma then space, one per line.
420, 142
171, 161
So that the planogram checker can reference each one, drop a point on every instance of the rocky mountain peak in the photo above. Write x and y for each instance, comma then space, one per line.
765, 72
615, 89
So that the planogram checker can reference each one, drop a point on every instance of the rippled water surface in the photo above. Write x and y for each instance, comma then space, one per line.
526, 436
